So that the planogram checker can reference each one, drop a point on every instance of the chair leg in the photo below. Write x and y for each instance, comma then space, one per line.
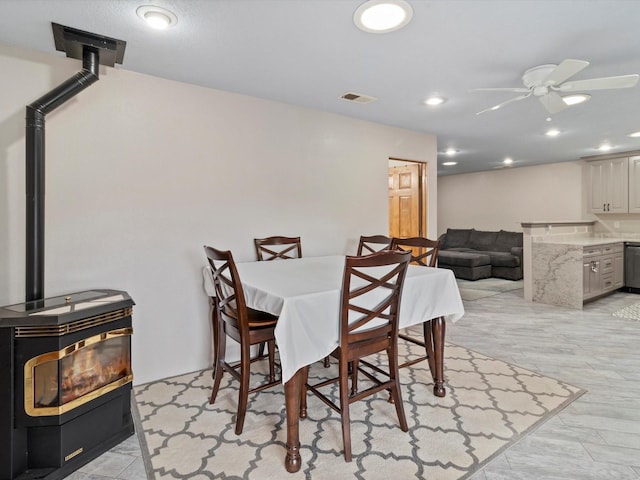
219, 350
353, 368
344, 409
243, 397
396, 393
271, 350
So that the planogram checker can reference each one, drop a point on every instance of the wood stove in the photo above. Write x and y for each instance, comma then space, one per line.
65, 362
66, 365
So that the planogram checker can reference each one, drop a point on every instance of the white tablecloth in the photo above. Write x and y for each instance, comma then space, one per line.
305, 294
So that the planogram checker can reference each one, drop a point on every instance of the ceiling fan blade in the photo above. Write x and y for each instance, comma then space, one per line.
568, 68
553, 102
501, 89
500, 105
622, 81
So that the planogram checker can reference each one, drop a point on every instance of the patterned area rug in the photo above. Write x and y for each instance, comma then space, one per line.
632, 312
489, 406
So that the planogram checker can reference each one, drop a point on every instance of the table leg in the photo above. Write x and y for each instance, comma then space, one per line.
437, 334
292, 387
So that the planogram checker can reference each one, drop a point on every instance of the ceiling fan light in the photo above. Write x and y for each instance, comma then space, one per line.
382, 16
508, 161
576, 99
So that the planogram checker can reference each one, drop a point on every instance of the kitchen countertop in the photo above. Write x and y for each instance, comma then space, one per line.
585, 241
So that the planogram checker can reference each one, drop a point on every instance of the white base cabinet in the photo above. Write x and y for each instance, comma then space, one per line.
602, 269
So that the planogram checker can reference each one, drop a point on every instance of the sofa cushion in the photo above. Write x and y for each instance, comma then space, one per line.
502, 259
480, 240
463, 259
506, 240
456, 237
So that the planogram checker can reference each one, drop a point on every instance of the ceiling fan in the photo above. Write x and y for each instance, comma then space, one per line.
548, 82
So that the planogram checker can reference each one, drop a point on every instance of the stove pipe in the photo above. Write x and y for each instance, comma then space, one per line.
74, 43
35, 167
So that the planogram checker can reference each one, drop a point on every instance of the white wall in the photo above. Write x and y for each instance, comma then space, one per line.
503, 199
142, 172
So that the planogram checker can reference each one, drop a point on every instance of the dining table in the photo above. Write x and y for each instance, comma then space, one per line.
305, 295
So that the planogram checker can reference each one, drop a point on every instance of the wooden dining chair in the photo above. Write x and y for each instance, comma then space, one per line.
231, 317
373, 243
369, 312
273, 248
424, 252
278, 248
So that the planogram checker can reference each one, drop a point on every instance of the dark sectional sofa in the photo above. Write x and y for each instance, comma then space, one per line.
475, 254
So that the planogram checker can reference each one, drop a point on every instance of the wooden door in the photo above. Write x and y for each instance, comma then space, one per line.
405, 201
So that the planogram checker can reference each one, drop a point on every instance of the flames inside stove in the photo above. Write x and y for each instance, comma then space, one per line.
65, 379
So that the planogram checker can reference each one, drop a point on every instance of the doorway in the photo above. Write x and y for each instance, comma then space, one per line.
407, 198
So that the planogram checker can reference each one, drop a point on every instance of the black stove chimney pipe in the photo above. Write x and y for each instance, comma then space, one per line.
35, 175
94, 50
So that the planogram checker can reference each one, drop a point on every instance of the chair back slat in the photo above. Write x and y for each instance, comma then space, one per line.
423, 250
278, 248
230, 300
373, 243
371, 291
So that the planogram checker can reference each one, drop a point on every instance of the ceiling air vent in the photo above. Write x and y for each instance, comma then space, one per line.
357, 97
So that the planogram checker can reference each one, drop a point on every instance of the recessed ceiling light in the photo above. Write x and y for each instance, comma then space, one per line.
433, 101
605, 147
575, 99
634, 134
554, 132
450, 152
157, 17
508, 161
449, 164
382, 16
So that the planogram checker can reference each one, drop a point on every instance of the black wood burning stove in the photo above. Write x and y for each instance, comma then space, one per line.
66, 373
65, 362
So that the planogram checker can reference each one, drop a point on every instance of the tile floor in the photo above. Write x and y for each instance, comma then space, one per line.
123, 462
597, 437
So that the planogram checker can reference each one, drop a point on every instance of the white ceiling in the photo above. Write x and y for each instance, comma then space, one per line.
308, 53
